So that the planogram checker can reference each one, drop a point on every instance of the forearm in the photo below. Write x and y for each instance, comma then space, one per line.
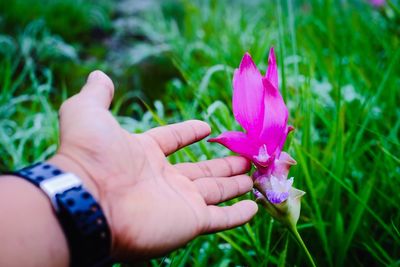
29, 231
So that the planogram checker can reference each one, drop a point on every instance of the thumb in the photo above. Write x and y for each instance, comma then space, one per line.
98, 90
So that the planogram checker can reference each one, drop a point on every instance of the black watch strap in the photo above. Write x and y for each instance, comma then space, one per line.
81, 217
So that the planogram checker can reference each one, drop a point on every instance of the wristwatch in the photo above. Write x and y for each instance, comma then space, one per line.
81, 217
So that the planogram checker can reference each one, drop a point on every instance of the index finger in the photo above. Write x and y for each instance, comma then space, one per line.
222, 167
173, 137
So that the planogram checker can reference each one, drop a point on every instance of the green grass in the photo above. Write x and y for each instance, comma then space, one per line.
339, 64
73, 19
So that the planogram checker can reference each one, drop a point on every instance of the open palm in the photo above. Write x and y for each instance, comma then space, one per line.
152, 206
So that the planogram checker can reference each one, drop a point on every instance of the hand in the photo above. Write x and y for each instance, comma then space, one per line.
152, 206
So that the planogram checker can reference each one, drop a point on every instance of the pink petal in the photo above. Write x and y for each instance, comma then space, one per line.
262, 159
283, 139
238, 142
248, 95
272, 71
282, 165
275, 118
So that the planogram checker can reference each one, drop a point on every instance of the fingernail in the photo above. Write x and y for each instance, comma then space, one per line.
95, 76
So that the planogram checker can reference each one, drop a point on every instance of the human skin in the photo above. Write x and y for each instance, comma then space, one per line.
151, 205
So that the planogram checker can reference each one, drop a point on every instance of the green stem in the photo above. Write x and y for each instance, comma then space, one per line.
297, 236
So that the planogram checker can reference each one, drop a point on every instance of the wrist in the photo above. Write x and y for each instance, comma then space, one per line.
71, 165
67, 164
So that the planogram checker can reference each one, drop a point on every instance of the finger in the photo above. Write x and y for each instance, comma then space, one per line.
216, 190
98, 90
223, 218
172, 137
221, 167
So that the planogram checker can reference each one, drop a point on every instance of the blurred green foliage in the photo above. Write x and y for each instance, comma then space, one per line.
74, 20
174, 60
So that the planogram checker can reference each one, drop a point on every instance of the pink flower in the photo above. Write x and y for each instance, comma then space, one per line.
259, 108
